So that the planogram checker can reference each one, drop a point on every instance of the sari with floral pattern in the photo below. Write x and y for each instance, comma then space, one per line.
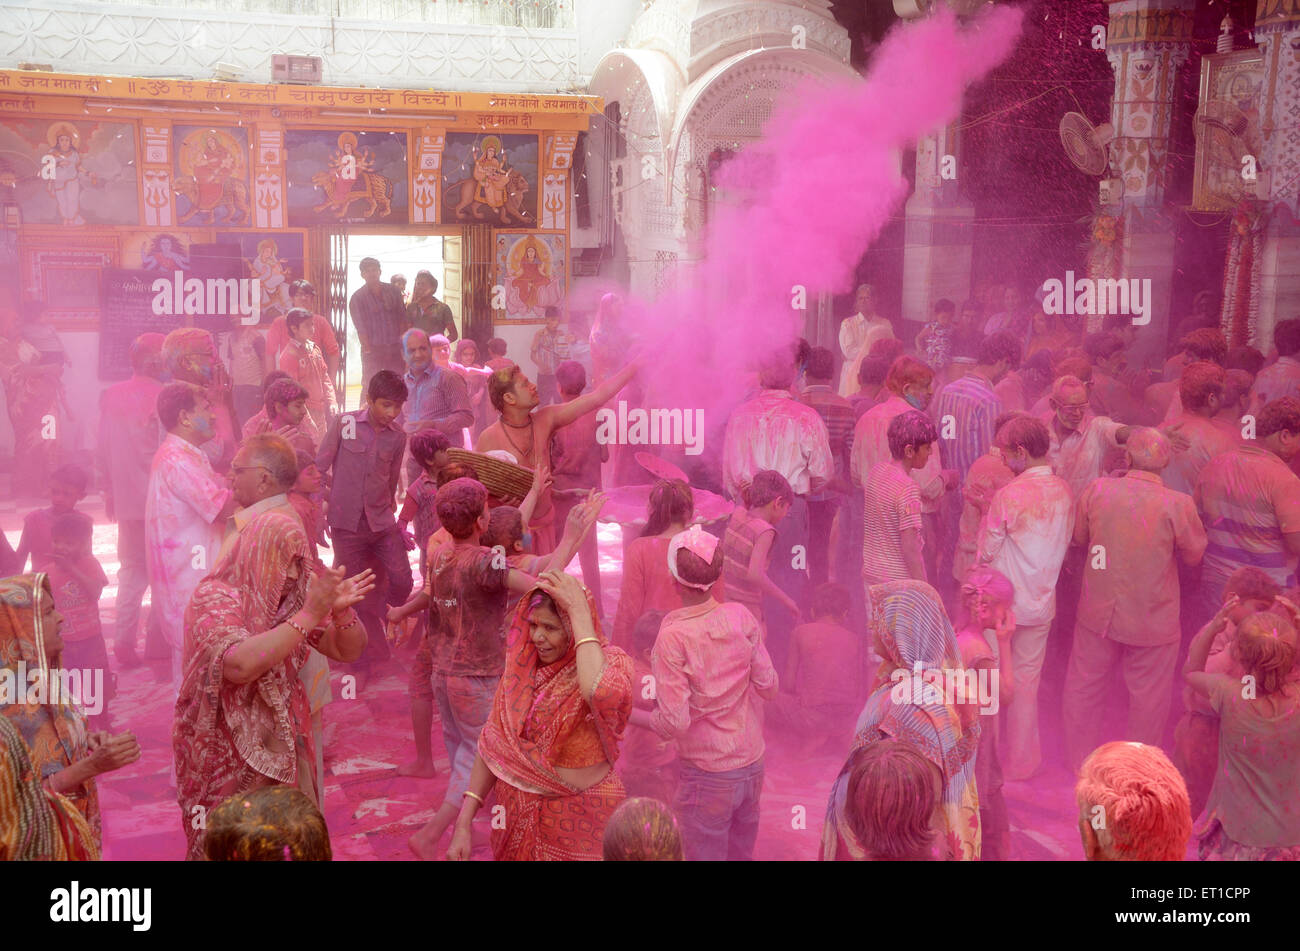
231, 738
53, 727
36, 824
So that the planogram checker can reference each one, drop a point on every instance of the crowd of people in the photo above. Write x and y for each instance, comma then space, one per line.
941, 550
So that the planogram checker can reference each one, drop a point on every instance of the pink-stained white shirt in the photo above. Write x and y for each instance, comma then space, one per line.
1134, 529
712, 674
184, 499
1274, 382
776, 431
871, 447
1207, 439
1079, 456
305, 363
1024, 535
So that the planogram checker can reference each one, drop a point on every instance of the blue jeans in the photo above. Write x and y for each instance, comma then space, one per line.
464, 704
718, 812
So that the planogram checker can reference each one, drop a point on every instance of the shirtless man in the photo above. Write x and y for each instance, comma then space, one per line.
523, 430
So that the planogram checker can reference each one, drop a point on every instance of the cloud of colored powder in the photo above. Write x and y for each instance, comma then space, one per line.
817, 189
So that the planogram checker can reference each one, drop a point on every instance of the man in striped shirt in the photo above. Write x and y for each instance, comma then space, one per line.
837, 413
965, 411
972, 404
891, 504
1249, 500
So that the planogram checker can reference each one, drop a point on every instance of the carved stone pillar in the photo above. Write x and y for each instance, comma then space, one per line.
1146, 43
1277, 31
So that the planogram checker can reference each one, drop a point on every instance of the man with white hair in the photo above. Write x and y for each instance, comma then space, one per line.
1131, 528
1133, 805
438, 397
1080, 440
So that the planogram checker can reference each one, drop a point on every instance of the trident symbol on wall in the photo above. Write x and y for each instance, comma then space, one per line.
554, 204
155, 196
424, 196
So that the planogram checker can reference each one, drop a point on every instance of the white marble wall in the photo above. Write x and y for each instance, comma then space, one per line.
80, 36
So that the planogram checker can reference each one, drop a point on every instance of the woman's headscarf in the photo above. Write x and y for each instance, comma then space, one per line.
53, 727
909, 626
257, 566
545, 700
242, 597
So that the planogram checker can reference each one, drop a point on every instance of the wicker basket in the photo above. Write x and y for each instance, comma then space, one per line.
501, 478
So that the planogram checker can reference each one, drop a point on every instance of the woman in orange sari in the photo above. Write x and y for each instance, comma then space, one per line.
66, 756
549, 746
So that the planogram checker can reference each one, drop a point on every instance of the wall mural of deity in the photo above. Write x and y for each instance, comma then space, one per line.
211, 176
71, 173
346, 176
533, 270
490, 179
165, 251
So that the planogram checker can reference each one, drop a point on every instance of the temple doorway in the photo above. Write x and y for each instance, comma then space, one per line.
398, 254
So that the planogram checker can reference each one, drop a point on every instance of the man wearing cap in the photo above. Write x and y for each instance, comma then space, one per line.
711, 673
191, 356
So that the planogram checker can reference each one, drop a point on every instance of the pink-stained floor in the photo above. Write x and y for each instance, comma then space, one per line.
371, 811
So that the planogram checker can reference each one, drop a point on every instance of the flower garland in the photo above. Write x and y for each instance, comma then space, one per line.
1241, 277
1105, 253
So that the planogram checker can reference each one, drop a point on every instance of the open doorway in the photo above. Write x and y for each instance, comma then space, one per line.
403, 254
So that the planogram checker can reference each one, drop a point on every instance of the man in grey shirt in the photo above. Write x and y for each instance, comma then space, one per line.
437, 398
364, 450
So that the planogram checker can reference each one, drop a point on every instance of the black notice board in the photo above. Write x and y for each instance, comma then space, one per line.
126, 311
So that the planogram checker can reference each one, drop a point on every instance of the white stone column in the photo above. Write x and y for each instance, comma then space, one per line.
937, 233
1147, 42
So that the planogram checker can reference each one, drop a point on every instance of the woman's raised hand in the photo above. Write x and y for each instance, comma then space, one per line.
1290, 607
591, 508
353, 590
322, 591
566, 590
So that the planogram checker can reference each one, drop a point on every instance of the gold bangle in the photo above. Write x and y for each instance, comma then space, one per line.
474, 795
585, 640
